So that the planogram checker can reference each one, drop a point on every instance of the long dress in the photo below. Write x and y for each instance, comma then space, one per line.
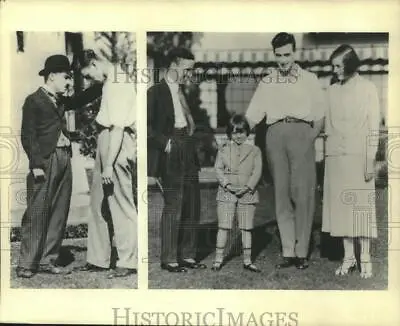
352, 128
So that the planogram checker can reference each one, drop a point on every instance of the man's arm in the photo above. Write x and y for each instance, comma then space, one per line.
154, 136
320, 105
29, 135
256, 109
114, 145
117, 111
79, 101
317, 128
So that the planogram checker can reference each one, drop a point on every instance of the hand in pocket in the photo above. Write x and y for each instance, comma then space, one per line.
38, 175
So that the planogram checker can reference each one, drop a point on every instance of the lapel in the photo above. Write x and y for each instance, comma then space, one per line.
234, 151
167, 99
44, 99
230, 156
245, 151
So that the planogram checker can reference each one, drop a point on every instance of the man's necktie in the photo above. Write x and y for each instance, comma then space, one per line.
186, 111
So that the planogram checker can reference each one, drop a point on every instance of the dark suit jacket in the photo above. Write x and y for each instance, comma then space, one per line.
42, 123
160, 126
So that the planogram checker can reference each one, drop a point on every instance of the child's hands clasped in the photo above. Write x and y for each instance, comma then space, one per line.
242, 191
238, 191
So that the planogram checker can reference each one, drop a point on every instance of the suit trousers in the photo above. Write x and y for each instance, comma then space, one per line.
181, 213
115, 213
45, 219
291, 157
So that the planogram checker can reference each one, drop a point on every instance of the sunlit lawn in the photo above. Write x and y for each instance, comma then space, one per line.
319, 276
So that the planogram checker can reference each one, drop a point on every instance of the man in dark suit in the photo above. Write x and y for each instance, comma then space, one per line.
49, 183
172, 157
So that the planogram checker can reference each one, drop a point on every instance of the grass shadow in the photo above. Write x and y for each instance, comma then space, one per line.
261, 239
206, 240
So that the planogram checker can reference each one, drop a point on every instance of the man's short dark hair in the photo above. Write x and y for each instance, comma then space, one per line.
179, 53
83, 59
351, 61
237, 122
282, 39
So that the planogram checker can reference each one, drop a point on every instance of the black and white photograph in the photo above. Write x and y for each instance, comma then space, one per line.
267, 160
73, 206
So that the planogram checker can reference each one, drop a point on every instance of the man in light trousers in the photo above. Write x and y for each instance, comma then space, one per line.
293, 103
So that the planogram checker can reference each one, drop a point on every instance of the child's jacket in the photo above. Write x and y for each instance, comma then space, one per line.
240, 166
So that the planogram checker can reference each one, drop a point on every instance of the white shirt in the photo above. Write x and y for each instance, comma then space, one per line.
118, 104
299, 95
180, 119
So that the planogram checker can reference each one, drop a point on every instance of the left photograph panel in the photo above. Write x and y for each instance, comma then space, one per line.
73, 203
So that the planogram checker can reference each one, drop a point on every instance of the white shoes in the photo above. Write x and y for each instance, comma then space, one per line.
366, 266
348, 266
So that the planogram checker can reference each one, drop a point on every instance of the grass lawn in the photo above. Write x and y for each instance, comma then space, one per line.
74, 252
266, 247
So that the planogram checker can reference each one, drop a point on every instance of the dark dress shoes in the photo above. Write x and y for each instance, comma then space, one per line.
173, 268
252, 268
122, 272
53, 269
24, 272
286, 262
301, 263
90, 268
192, 265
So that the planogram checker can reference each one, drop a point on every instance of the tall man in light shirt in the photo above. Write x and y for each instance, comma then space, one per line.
113, 172
293, 102
172, 157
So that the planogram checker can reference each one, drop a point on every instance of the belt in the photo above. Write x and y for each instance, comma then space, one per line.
68, 149
127, 129
294, 120
181, 131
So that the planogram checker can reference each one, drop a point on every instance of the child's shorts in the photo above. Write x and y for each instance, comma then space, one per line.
226, 213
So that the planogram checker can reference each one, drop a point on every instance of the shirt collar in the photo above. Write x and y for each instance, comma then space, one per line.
295, 70
48, 91
172, 84
234, 144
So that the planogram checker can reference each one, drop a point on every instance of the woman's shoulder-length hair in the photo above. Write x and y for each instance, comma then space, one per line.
350, 59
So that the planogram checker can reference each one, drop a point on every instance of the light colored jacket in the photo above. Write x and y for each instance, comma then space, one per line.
352, 123
240, 166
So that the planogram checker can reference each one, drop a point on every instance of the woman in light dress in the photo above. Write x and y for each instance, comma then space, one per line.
352, 128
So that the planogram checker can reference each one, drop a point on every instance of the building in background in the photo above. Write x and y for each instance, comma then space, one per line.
229, 65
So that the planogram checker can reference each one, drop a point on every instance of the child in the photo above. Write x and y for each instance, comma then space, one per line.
239, 168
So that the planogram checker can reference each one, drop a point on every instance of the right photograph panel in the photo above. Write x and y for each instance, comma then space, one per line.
267, 160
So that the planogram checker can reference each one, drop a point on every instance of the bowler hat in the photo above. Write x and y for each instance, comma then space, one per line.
55, 63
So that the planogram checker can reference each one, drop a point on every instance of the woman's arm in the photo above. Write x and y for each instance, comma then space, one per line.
373, 115
373, 111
